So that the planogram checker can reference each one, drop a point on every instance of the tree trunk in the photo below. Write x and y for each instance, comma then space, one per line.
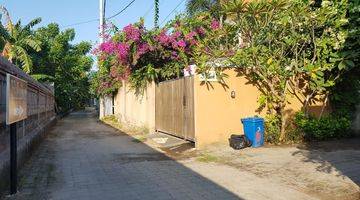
283, 118
282, 125
324, 105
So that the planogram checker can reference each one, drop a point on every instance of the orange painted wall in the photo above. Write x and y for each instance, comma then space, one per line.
217, 115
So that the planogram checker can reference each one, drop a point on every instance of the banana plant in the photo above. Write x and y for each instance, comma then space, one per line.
17, 40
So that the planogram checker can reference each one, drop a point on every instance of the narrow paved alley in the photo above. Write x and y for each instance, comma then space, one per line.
84, 159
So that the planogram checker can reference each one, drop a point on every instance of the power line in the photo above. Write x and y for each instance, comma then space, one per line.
172, 12
148, 11
95, 20
118, 13
79, 23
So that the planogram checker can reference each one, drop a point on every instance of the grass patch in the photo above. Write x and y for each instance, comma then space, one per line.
207, 158
139, 139
136, 130
129, 129
112, 121
139, 133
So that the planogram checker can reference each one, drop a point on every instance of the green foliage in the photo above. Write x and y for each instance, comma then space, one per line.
207, 158
194, 7
308, 50
326, 127
66, 65
42, 77
48, 56
102, 83
139, 78
294, 45
272, 128
17, 40
156, 14
284, 48
345, 96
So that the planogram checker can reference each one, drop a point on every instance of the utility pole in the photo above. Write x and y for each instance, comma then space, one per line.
102, 102
102, 20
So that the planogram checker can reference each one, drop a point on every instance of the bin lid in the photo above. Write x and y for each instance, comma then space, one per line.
252, 119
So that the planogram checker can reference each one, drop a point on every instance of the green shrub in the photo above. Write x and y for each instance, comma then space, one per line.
272, 129
331, 126
294, 135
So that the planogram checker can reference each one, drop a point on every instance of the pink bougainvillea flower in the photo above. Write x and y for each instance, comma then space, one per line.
174, 45
143, 48
181, 43
174, 55
200, 31
163, 38
107, 47
176, 35
193, 42
215, 24
190, 35
132, 33
122, 51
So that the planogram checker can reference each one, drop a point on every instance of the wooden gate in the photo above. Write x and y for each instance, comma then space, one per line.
174, 108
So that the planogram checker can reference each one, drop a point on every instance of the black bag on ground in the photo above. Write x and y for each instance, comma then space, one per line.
239, 141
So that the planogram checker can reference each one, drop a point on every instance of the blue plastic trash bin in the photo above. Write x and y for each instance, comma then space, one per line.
254, 130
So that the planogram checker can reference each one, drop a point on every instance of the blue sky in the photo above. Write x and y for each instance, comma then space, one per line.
66, 12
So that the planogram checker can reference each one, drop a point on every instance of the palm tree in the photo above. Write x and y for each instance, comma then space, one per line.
17, 40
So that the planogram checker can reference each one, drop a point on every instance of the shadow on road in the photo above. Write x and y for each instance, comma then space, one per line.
84, 159
337, 155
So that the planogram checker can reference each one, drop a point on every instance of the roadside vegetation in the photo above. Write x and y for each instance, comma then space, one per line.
126, 128
306, 49
207, 158
49, 55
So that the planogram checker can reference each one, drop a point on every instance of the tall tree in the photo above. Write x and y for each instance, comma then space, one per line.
64, 63
286, 48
